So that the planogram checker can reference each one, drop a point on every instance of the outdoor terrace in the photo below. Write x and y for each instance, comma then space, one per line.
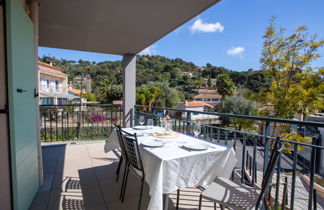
82, 175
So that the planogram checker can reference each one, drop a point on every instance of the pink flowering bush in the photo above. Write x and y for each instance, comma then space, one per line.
98, 118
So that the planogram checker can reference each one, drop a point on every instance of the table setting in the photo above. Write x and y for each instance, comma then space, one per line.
173, 160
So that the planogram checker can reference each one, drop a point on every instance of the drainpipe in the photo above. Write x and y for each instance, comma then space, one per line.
33, 14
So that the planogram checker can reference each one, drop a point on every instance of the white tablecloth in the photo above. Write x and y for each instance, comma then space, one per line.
170, 167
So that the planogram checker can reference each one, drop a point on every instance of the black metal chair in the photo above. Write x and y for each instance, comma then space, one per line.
122, 150
240, 196
134, 162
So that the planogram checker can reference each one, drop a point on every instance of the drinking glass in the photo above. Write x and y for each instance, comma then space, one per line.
150, 123
141, 120
168, 127
161, 122
196, 129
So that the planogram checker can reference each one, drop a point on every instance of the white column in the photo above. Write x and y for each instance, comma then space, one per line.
129, 88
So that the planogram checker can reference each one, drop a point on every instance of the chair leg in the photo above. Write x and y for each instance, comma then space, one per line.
214, 205
118, 168
200, 200
222, 207
125, 184
141, 194
178, 198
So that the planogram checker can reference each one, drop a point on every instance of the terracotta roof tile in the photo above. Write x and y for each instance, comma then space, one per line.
49, 66
207, 91
75, 91
197, 103
51, 69
208, 96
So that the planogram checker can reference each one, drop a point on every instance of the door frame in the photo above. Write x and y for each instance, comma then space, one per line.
6, 152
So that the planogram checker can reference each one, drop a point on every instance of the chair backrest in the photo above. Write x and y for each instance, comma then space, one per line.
132, 150
120, 141
267, 178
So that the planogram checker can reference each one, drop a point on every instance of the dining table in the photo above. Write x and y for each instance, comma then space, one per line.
177, 162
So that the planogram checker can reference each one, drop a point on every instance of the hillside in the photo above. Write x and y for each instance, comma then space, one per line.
158, 69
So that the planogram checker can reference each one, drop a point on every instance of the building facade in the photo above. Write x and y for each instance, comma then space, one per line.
208, 96
197, 106
84, 81
52, 85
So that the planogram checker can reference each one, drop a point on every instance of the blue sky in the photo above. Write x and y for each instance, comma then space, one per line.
229, 34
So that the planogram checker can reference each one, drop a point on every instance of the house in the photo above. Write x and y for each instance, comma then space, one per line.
212, 82
197, 106
208, 96
74, 95
52, 85
84, 81
117, 102
187, 74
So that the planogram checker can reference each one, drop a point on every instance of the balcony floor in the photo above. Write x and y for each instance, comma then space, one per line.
82, 176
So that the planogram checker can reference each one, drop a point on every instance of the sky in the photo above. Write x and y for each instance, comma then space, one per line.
229, 34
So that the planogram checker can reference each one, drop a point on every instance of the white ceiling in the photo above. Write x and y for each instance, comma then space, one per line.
112, 26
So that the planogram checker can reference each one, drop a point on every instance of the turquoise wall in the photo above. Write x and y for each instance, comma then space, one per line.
22, 106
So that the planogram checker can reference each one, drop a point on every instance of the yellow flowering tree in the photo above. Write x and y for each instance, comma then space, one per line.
297, 86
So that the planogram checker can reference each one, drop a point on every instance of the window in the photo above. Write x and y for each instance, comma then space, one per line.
57, 86
44, 84
46, 101
61, 101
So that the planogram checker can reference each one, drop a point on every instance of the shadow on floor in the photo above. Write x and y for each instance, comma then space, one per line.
83, 177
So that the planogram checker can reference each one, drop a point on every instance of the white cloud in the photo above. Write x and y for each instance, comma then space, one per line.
151, 50
236, 51
199, 26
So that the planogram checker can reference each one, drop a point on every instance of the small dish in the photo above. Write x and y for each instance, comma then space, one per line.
153, 143
140, 128
195, 146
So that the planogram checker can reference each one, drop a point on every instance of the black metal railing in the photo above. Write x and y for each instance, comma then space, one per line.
252, 137
75, 122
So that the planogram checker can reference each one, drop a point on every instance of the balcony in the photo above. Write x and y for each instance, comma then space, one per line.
52, 89
82, 176
74, 181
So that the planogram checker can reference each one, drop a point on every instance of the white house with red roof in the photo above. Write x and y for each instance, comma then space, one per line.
52, 85
197, 106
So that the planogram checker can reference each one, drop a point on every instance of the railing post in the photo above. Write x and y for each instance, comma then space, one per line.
135, 116
154, 117
266, 146
293, 182
243, 160
188, 120
312, 173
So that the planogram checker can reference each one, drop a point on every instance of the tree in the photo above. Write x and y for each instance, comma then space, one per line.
225, 86
169, 97
237, 105
115, 93
109, 92
157, 94
88, 96
296, 87
147, 95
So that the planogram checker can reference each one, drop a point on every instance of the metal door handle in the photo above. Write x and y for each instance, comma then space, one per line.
19, 90
36, 93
